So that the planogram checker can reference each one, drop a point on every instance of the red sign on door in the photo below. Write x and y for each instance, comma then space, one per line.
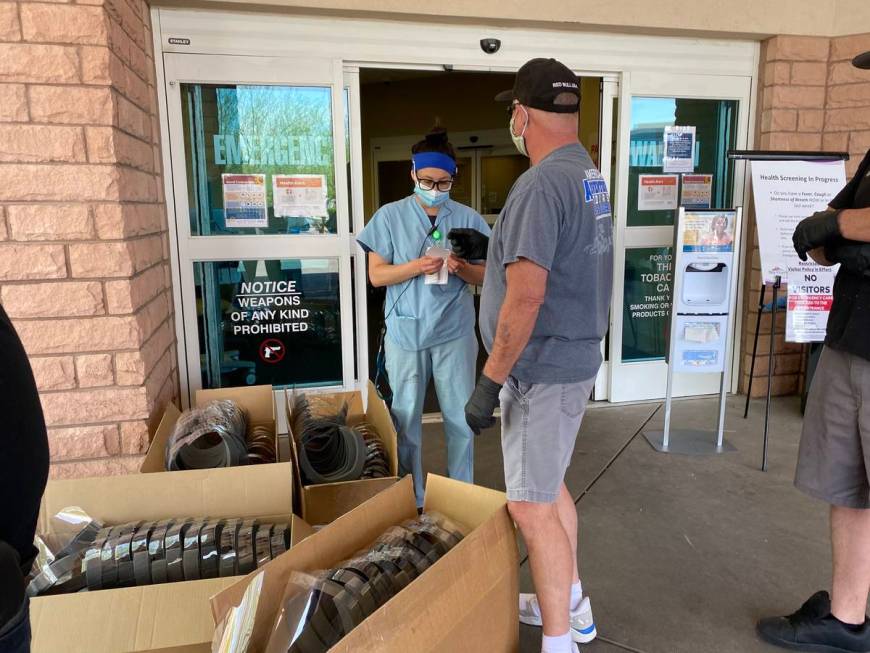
272, 351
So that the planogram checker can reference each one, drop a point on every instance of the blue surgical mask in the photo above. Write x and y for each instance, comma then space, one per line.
432, 197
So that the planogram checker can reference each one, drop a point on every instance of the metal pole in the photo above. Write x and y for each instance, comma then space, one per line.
723, 395
668, 397
754, 349
770, 363
676, 288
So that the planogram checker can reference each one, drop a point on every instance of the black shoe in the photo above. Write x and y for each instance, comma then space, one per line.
813, 628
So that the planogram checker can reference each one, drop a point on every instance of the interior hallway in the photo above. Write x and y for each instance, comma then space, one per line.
682, 554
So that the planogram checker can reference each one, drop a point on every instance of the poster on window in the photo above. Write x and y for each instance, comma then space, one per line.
679, 154
785, 193
269, 322
697, 191
244, 200
299, 196
657, 192
810, 296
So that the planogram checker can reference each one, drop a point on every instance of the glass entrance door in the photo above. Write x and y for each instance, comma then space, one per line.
650, 189
259, 151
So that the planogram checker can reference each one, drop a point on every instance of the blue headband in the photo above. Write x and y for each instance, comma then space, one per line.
434, 160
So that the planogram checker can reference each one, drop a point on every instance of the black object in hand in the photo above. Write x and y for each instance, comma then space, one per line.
815, 231
469, 244
482, 404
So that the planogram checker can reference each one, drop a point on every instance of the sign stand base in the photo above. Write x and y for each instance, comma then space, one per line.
688, 442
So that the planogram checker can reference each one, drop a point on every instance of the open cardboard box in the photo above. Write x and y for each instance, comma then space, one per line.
467, 601
258, 401
155, 616
321, 504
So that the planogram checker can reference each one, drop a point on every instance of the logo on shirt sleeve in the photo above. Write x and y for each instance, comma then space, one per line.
595, 193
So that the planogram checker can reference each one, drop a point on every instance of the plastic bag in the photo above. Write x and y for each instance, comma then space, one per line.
58, 566
96, 557
321, 607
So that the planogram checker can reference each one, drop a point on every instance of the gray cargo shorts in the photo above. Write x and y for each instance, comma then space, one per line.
834, 458
539, 424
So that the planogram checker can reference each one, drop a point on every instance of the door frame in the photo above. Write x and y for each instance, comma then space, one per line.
189, 249
632, 381
413, 44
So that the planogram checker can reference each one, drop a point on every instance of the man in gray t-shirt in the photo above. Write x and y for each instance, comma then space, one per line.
557, 216
544, 311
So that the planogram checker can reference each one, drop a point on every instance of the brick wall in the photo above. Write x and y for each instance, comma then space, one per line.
84, 271
812, 98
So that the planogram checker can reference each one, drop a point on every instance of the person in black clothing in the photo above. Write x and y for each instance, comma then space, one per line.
834, 459
23, 474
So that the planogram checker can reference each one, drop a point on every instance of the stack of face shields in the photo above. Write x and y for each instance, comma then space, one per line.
330, 451
170, 550
377, 463
320, 608
261, 446
58, 562
208, 437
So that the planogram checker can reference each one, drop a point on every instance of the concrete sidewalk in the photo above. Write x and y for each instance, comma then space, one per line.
682, 554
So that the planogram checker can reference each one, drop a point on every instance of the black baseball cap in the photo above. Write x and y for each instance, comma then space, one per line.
862, 61
540, 82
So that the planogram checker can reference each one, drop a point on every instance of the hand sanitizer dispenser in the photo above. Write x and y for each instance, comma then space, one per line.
705, 284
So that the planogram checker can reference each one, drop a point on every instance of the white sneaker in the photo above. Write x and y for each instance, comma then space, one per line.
582, 624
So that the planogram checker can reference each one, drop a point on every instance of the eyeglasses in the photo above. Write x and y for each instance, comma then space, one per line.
428, 184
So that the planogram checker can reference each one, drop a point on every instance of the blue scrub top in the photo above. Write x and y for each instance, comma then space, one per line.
424, 316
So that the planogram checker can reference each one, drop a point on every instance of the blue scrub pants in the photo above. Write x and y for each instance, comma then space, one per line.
453, 366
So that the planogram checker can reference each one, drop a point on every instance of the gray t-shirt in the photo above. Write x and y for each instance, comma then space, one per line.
558, 216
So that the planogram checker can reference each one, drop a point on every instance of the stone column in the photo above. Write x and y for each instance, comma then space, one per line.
812, 98
847, 119
84, 256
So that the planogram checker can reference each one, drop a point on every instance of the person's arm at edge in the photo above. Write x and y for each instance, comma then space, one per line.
526, 288
382, 273
855, 224
470, 273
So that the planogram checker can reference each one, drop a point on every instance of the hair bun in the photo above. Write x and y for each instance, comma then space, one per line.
437, 137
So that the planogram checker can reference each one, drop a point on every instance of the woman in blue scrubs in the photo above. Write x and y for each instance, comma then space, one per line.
430, 327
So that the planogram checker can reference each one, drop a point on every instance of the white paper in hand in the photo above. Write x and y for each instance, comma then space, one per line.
438, 278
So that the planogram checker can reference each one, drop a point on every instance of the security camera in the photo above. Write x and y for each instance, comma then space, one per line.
490, 46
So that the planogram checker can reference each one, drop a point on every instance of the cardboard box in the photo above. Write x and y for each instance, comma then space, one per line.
257, 400
155, 616
467, 601
321, 504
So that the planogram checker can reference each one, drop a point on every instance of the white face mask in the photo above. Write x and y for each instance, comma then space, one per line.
520, 141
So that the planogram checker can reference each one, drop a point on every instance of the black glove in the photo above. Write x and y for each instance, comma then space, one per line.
469, 244
482, 404
852, 255
815, 231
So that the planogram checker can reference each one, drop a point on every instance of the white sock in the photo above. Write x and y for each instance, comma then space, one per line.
576, 595
558, 644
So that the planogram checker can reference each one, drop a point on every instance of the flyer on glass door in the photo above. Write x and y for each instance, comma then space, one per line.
697, 192
300, 196
244, 200
679, 155
657, 192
